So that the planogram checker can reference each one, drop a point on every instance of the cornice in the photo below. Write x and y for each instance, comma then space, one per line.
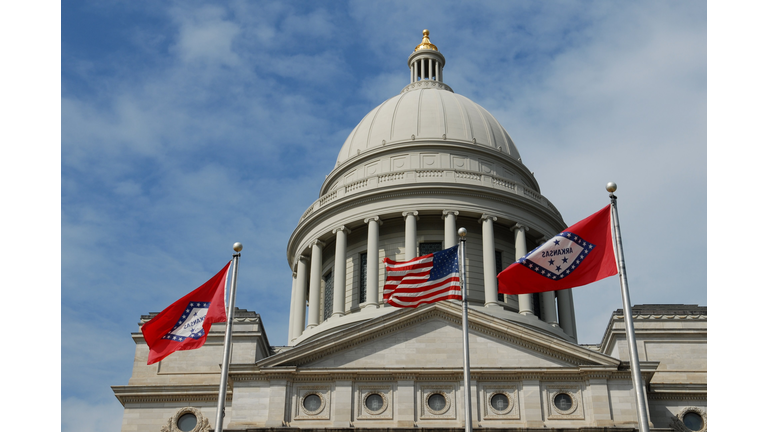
168, 393
479, 375
479, 322
552, 221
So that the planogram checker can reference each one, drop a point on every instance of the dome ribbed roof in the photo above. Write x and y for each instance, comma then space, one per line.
427, 114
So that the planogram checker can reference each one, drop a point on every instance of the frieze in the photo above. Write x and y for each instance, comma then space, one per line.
172, 398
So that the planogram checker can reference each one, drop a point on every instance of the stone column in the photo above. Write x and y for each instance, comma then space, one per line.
315, 283
410, 234
299, 307
548, 308
489, 261
565, 312
372, 278
430, 68
525, 301
422, 68
450, 228
340, 271
294, 299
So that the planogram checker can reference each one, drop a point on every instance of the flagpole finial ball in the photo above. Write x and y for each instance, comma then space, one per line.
462, 232
611, 187
237, 246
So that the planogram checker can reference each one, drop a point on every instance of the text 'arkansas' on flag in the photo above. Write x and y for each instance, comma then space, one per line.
185, 324
581, 254
426, 279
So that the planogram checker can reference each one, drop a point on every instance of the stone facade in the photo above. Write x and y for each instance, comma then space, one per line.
416, 168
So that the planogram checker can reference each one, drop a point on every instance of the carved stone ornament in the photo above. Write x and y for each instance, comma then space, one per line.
677, 421
384, 404
172, 425
445, 408
510, 402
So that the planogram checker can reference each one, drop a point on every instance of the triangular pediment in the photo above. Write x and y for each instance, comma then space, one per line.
432, 337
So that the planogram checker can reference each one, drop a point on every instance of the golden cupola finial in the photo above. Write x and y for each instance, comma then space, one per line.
425, 43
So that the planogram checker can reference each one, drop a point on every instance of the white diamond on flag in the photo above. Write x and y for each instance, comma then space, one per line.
191, 322
559, 256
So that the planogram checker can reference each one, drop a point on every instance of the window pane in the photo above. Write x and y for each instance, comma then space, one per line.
363, 276
312, 402
693, 421
436, 402
428, 248
499, 402
374, 402
563, 402
328, 303
499, 296
187, 422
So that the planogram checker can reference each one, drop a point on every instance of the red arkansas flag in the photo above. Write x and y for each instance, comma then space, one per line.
581, 254
184, 325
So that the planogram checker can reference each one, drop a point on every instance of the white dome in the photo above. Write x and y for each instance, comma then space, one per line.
430, 112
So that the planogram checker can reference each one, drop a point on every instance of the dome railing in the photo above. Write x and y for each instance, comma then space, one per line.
433, 176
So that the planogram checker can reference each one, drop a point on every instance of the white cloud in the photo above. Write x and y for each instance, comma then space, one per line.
205, 36
78, 415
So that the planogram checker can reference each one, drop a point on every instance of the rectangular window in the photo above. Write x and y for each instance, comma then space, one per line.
363, 277
499, 296
328, 303
430, 247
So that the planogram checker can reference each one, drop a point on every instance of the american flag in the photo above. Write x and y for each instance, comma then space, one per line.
426, 279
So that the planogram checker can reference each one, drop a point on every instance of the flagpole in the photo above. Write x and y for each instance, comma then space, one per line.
228, 339
634, 362
465, 330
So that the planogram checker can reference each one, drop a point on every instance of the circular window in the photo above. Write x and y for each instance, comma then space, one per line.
375, 403
436, 402
563, 402
186, 422
312, 403
499, 402
693, 421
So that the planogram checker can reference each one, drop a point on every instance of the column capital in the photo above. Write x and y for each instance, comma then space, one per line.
543, 240
317, 242
519, 226
447, 212
373, 219
412, 213
485, 217
301, 258
295, 274
342, 229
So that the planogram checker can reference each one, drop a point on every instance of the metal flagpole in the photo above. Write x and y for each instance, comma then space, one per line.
634, 362
228, 339
465, 329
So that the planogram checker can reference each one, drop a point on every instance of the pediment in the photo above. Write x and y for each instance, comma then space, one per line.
432, 337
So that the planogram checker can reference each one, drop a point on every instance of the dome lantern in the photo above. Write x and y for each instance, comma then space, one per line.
426, 62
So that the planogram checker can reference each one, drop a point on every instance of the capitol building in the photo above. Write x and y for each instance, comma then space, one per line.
416, 168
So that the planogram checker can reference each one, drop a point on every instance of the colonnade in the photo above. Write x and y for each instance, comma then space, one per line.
426, 68
309, 271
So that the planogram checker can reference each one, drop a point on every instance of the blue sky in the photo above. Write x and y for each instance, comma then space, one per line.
187, 126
